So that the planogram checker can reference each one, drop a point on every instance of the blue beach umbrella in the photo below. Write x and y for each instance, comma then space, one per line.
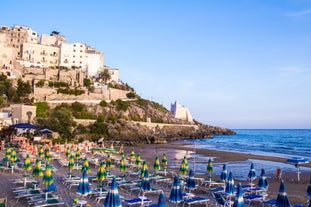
176, 192
190, 184
239, 200
252, 174
262, 182
309, 189
145, 183
297, 161
224, 173
113, 199
161, 200
282, 199
230, 188
84, 185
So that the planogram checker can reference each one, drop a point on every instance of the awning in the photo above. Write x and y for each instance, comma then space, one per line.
24, 126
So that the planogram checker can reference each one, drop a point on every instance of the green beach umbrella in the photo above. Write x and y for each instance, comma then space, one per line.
101, 172
78, 154
41, 152
47, 177
68, 153
132, 154
183, 168
26, 167
27, 163
138, 161
108, 161
122, 153
156, 165
71, 163
143, 169
13, 157
8, 153
48, 156
86, 166
209, 168
37, 171
122, 165
164, 160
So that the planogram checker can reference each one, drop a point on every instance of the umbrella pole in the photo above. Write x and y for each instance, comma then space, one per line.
298, 173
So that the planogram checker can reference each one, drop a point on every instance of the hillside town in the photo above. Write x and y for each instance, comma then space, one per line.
59, 72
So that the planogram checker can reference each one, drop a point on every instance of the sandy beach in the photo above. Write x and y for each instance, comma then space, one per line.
175, 152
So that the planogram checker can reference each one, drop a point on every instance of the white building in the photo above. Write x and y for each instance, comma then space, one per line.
181, 112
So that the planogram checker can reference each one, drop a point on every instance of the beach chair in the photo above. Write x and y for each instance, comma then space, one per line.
138, 201
28, 193
221, 201
51, 202
3, 201
253, 197
196, 200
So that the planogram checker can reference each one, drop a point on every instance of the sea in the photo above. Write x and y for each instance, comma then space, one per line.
285, 143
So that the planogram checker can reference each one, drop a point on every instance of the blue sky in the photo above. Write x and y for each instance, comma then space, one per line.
236, 64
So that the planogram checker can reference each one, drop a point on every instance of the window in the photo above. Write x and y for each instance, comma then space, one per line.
80, 62
80, 56
73, 61
74, 45
74, 50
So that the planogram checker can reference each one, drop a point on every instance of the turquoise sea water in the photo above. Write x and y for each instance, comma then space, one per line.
284, 143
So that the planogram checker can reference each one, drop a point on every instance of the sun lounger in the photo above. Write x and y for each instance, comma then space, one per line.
138, 201
28, 193
270, 202
196, 200
41, 197
52, 202
220, 200
253, 197
30, 187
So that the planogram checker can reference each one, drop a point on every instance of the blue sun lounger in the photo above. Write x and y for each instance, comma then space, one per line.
137, 201
196, 200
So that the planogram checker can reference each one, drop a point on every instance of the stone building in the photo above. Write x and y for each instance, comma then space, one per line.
23, 113
181, 112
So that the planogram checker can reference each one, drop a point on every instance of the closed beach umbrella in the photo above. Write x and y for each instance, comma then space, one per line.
78, 154
48, 179
143, 169
27, 167
224, 173
176, 192
156, 165
209, 168
101, 172
122, 165
282, 199
230, 188
27, 163
161, 200
138, 161
132, 154
239, 200
108, 161
37, 171
84, 185
309, 189
48, 156
68, 153
113, 199
164, 160
13, 157
252, 174
86, 165
262, 182
183, 168
41, 152
190, 184
185, 160
7, 157
145, 183
71, 163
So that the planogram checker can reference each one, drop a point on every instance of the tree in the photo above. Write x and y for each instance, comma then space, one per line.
87, 82
23, 89
105, 76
